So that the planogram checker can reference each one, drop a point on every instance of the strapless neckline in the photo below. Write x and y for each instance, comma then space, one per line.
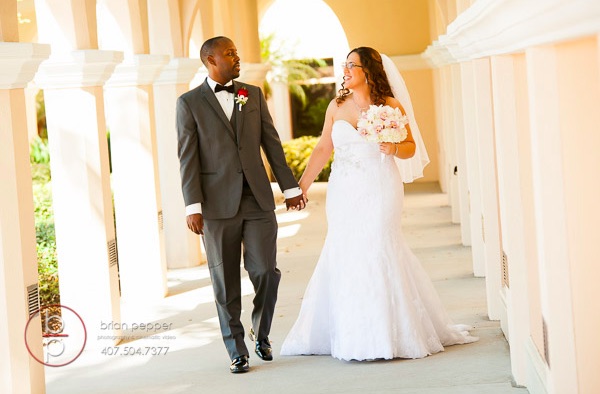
345, 121
343, 134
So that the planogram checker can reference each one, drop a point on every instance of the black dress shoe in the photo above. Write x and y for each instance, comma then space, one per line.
263, 347
239, 365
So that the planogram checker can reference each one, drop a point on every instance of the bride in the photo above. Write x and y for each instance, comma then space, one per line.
369, 298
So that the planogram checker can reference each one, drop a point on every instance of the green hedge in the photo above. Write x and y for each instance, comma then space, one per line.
44, 224
297, 153
39, 153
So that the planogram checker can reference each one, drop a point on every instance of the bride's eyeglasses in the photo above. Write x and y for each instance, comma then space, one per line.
350, 65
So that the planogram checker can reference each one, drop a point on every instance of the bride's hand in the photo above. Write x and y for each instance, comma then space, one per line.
304, 194
305, 198
304, 185
388, 148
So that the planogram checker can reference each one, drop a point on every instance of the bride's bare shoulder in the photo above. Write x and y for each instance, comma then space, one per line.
392, 102
343, 111
334, 107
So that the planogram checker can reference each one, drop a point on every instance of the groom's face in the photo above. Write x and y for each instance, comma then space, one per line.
225, 62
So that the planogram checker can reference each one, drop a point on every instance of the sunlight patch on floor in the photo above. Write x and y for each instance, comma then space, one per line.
292, 216
288, 231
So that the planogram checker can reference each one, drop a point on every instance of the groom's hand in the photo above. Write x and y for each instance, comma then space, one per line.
195, 222
296, 203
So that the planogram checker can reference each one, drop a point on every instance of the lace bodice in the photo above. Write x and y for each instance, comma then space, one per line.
352, 151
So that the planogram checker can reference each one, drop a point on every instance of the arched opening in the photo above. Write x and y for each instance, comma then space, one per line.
302, 45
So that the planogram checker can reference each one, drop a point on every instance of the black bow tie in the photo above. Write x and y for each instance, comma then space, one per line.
220, 87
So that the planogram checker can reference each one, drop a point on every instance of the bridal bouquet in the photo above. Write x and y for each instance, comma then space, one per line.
383, 124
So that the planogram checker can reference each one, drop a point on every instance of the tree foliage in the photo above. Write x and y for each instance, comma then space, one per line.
286, 69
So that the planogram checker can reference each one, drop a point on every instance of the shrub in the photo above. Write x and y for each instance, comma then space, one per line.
308, 119
297, 153
38, 151
44, 223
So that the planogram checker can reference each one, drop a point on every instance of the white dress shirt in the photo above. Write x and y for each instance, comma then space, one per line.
226, 100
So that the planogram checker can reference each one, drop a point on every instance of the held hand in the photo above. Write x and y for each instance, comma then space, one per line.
304, 194
195, 222
387, 148
304, 185
296, 203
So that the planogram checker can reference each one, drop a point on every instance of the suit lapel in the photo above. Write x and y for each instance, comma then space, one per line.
239, 115
209, 96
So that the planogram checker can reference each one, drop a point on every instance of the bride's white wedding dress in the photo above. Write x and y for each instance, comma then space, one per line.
369, 298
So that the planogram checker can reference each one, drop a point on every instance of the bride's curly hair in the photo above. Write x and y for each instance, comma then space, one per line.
372, 66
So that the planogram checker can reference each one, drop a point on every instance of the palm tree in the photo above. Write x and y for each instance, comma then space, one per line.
286, 69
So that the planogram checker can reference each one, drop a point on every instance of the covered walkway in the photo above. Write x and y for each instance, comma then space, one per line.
196, 361
506, 94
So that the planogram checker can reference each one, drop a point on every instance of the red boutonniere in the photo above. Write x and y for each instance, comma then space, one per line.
242, 97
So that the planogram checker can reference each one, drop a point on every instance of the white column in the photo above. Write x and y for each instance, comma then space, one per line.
578, 74
440, 92
516, 326
139, 218
281, 109
253, 73
19, 372
488, 188
460, 147
550, 216
469, 102
446, 132
83, 210
199, 77
31, 92
183, 247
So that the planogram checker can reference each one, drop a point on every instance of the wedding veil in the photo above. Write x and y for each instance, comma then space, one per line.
410, 169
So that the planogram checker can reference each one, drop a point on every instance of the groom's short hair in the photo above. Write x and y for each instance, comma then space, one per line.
209, 46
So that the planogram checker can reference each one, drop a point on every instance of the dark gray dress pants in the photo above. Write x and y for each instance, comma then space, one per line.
255, 232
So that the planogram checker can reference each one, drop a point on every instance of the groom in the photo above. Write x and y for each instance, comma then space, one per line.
221, 126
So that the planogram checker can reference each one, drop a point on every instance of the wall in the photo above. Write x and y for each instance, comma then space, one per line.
545, 90
402, 33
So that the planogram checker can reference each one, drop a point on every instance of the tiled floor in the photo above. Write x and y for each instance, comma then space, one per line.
196, 361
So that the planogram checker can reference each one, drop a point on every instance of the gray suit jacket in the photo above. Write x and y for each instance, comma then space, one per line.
213, 156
